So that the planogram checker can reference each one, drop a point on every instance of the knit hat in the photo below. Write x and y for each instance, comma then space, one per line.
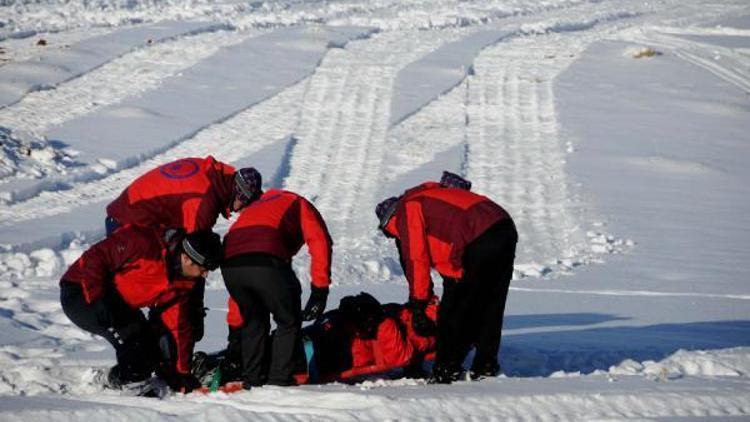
452, 180
204, 248
385, 209
247, 185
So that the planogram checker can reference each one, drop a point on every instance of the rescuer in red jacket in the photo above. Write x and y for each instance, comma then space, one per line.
135, 267
259, 248
189, 193
471, 242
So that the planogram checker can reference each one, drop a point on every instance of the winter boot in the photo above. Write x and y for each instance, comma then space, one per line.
445, 373
484, 370
118, 379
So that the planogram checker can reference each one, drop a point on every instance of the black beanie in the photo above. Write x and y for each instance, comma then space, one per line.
205, 248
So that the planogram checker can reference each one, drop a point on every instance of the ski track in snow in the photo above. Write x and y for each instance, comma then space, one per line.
514, 151
728, 64
134, 73
338, 159
245, 133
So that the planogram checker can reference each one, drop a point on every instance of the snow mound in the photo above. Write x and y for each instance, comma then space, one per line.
26, 156
734, 362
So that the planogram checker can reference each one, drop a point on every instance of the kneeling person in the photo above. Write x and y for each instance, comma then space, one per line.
103, 291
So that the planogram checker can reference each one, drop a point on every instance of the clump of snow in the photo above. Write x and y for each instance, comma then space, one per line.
41, 263
602, 243
27, 156
48, 262
530, 270
733, 362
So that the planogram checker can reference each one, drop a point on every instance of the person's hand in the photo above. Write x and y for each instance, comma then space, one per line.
316, 304
420, 322
197, 316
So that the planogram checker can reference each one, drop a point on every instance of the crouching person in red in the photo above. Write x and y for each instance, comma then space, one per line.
187, 194
471, 242
258, 274
135, 267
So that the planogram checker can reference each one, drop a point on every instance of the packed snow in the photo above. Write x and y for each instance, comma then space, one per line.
616, 133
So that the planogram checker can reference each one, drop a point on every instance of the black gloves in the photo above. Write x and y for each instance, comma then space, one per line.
316, 304
181, 383
421, 323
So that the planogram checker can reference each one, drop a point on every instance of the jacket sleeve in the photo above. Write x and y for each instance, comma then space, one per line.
391, 347
234, 315
318, 242
176, 317
362, 353
414, 250
98, 264
201, 212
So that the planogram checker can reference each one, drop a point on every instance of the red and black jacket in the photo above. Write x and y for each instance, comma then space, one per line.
189, 193
395, 344
433, 226
423, 345
388, 350
134, 260
279, 223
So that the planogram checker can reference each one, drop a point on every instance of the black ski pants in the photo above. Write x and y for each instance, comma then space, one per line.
471, 310
126, 329
265, 286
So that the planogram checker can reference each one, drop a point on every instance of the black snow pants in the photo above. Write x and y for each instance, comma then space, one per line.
471, 310
126, 329
264, 285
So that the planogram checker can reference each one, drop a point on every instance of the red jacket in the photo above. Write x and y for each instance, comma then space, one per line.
434, 225
389, 349
234, 315
188, 193
395, 345
422, 345
279, 223
134, 260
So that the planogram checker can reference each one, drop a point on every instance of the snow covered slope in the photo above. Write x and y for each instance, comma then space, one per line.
615, 132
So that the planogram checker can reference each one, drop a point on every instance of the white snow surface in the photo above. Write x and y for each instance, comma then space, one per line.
615, 132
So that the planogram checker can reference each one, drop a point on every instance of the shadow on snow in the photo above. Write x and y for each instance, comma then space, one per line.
587, 350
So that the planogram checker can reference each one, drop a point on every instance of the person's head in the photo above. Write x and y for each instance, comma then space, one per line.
452, 180
363, 312
247, 188
385, 210
200, 252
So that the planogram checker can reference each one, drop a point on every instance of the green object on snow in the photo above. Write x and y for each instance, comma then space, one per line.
215, 380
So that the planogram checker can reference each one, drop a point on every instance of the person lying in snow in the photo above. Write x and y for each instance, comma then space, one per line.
363, 337
359, 339
135, 267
